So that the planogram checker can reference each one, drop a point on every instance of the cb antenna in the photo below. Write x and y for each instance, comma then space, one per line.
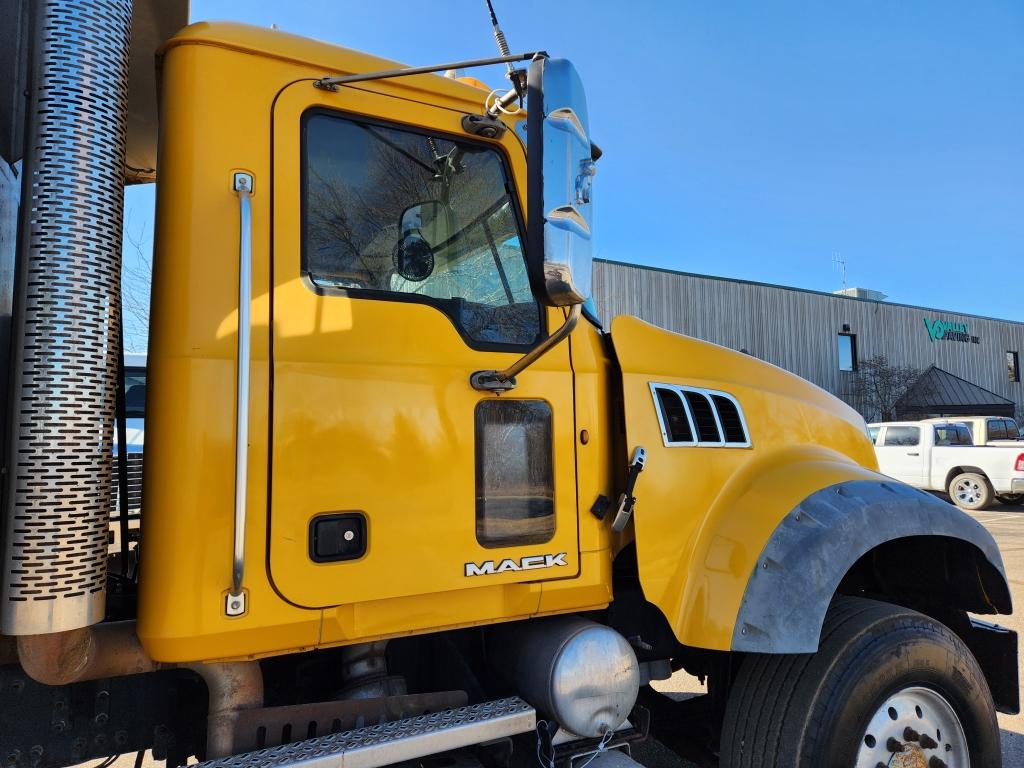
516, 76
840, 264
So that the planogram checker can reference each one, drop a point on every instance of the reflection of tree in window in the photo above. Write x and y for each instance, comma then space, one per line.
360, 179
515, 486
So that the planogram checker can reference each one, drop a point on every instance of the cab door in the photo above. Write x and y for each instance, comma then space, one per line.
398, 271
901, 456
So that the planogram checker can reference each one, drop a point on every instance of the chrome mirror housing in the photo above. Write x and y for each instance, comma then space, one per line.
560, 171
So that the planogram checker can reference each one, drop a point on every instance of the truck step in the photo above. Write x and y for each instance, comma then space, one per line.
380, 745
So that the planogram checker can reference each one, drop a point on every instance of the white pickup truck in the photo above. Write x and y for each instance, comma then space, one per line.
988, 430
942, 457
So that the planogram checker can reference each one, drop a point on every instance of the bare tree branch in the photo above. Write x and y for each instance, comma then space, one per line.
136, 281
879, 386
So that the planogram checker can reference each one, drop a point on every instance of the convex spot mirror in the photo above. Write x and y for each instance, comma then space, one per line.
424, 228
560, 171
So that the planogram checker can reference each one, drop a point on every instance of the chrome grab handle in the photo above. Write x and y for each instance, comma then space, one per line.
242, 185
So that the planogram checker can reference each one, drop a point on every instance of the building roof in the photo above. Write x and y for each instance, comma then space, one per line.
836, 296
939, 391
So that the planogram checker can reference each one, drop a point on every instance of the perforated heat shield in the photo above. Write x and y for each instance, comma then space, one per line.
66, 319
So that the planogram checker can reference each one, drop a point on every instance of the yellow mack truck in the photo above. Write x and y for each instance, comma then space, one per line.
406, 498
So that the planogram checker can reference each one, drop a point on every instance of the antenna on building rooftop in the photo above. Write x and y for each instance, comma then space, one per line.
840, 263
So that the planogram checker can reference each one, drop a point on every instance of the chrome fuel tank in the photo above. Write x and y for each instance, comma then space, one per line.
581, 674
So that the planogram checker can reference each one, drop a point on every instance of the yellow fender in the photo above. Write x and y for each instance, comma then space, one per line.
738, 545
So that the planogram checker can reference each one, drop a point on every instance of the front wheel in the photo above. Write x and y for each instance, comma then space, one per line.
888, 686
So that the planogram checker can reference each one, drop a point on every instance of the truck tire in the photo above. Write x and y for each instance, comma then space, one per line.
972, 491
885, 681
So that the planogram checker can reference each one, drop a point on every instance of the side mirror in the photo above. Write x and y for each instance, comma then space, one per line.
423, 229
560, 170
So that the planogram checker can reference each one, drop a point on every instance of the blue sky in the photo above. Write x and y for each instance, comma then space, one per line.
753, 140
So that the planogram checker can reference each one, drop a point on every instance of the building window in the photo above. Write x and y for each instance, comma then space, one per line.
1013, 366
847, 344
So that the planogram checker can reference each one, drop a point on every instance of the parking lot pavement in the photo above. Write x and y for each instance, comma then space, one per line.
1006, 524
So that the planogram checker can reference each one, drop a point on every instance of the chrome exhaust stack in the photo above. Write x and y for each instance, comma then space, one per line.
65, 348
66, 320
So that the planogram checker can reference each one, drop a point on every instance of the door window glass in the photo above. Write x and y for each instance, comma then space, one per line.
397, 214
902, 436
514, 477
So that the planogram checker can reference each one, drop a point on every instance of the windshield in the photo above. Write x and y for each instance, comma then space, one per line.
390, 212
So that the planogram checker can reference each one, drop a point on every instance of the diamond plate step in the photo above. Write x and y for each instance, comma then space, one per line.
381, 745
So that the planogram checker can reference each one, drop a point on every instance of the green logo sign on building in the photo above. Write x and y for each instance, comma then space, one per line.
943, 330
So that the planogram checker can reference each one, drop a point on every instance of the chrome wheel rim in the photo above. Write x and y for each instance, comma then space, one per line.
967, 491
911, 727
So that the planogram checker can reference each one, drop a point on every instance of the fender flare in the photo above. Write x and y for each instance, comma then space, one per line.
818, 542
959, 470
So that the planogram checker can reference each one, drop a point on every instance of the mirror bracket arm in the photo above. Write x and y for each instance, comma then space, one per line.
483, 125
329, 83
503, 381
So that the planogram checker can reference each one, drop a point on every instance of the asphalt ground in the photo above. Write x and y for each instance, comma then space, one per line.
1006, 524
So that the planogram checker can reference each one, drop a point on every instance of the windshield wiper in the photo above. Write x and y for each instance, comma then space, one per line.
497, 261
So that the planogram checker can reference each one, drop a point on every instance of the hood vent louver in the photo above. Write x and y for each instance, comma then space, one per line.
703, 417
693, 416
677, 424
729, 418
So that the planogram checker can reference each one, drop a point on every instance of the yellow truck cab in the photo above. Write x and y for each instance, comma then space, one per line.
406, 497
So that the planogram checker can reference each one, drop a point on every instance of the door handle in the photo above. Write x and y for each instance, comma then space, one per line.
242, 185
913, 453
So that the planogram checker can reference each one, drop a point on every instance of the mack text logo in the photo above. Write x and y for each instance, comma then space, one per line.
523, 564
943, 330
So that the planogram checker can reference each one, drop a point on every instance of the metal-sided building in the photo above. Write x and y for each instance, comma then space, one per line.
964, 364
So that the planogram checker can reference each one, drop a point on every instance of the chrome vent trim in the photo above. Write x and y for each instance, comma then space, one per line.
700, 406
68, 315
